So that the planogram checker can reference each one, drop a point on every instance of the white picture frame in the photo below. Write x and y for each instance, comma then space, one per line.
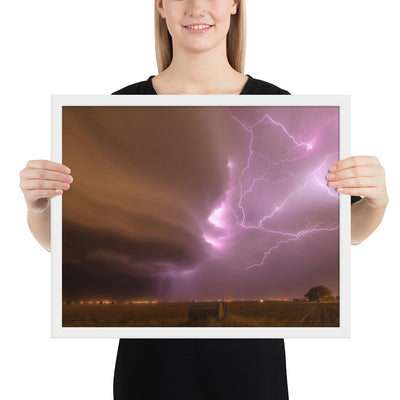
342, 102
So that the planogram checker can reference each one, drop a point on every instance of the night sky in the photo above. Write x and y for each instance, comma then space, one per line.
194, 203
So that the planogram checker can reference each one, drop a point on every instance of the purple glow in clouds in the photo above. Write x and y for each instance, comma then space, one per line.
277, 199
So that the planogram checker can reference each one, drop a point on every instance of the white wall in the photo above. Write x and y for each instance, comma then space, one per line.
96, 47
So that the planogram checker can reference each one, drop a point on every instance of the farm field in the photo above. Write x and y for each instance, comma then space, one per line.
239, 313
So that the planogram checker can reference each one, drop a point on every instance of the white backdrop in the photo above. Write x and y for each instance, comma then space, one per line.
97, 47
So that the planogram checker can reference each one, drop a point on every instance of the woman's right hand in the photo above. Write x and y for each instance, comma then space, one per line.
41, 180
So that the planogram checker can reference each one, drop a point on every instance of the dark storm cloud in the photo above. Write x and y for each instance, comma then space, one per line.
144, 185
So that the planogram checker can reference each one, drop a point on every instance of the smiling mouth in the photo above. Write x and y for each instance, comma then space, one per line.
198, 27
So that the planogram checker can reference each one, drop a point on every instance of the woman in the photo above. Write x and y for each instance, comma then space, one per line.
205, 61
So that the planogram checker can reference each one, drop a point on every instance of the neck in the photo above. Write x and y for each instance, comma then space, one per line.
198, 72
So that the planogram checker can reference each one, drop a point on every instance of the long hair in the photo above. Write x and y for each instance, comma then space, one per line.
235, 40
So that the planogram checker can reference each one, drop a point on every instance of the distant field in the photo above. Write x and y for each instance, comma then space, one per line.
267, 314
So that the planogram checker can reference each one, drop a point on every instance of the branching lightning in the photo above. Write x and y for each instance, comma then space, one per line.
317, 175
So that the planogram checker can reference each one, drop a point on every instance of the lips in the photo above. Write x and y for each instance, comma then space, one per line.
198, 28
198, 24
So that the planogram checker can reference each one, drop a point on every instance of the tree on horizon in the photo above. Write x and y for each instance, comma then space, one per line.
317, 293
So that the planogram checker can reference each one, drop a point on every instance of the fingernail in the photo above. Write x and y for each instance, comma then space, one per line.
67, 170
332, 168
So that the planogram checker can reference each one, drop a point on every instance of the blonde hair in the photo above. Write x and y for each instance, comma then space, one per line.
235, 41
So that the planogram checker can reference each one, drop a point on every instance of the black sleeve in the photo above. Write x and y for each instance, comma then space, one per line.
354, 199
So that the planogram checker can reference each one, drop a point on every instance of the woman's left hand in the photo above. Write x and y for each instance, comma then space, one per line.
360, 176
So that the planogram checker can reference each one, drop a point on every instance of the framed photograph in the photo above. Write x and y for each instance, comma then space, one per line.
200, 216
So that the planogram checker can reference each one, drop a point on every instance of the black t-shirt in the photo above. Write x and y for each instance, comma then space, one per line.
200, 369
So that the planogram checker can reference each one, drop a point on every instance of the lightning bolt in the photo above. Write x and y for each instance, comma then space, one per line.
265, 177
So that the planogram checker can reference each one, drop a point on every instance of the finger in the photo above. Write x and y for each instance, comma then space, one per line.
43, 174
365, 192
353, 172
353, 161
36, 194
363, 181
30, 184
48, 164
